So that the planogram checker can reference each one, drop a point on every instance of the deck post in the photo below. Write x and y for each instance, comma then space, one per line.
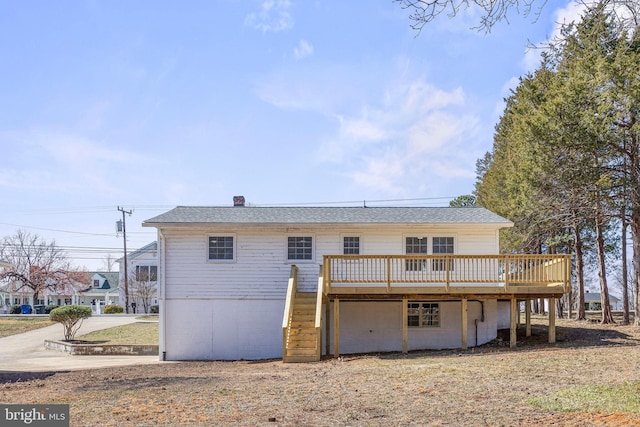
465, 332
336, 327
513, 335
388, 274
527, 315
552, 320
327, 322
405, 325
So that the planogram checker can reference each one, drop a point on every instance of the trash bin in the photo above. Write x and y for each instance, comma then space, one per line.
26, 309
39, 309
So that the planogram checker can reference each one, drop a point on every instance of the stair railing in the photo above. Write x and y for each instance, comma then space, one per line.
318, 320
288, 308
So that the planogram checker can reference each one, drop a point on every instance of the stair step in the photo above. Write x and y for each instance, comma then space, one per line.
301, 345
303, 312
301, 352
310, 307
302, 334
306, 295
303, 315
300, 359
303, 324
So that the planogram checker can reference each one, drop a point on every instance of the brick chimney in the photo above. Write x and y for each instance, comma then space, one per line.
238, 201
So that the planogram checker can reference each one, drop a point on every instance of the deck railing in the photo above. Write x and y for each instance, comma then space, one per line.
416, 270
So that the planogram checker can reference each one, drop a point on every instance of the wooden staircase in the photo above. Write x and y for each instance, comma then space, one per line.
301, 335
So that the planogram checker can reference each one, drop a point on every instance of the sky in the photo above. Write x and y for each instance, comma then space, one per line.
151, 104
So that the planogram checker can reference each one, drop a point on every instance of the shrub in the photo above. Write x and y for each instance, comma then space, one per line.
47, 309
15, 309
113, 309
154, 309
71, 317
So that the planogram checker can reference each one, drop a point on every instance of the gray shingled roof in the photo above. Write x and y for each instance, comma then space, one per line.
326, 215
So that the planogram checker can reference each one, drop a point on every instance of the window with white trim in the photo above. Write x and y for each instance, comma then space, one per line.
423, 314
442, 245
221, 248
146, 273
351, 245
300, 248
415, 246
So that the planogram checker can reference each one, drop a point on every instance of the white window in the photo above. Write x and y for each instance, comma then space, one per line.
442, 245
221, 248
351, 245
96, 283
300, 248
146, 273
423, 314
415, 246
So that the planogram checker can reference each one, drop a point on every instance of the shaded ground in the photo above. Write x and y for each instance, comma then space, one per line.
489, 385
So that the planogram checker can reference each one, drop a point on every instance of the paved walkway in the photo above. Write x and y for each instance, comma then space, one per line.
25, 352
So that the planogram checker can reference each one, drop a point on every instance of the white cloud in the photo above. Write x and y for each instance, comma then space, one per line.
303, 49
273, 16
406, 138
394, 132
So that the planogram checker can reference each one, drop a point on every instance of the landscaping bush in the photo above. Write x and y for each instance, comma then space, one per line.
113, 309
15, 309
154, 309
71, 317
47, 309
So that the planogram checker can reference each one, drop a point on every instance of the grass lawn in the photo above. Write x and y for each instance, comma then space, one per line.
17, 325
590, 377
141, 333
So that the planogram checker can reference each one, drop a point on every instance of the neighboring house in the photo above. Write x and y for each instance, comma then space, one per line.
142, 268
101, 290
4, 295
593, 301
269, 282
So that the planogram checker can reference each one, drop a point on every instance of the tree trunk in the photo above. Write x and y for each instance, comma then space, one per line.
559, 308
634, 221
602, 270
579, 272
635, 234
625, 284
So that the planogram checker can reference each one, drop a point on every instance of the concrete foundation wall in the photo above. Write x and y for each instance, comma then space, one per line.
223, 329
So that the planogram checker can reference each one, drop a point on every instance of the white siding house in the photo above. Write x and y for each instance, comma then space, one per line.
225, 277
142, 283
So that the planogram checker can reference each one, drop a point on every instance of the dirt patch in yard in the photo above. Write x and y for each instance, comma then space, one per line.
489, 385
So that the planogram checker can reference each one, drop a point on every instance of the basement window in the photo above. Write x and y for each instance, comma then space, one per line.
423, 315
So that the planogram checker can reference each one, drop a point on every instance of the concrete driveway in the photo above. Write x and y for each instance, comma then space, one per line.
26, 353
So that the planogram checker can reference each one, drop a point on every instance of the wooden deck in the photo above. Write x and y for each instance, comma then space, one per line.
446, 276
417, 277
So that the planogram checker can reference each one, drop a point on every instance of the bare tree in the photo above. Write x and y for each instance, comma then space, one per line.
626, 12
108, 261
36, 264
494, 11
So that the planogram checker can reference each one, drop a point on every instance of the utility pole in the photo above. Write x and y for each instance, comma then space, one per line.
122, 226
